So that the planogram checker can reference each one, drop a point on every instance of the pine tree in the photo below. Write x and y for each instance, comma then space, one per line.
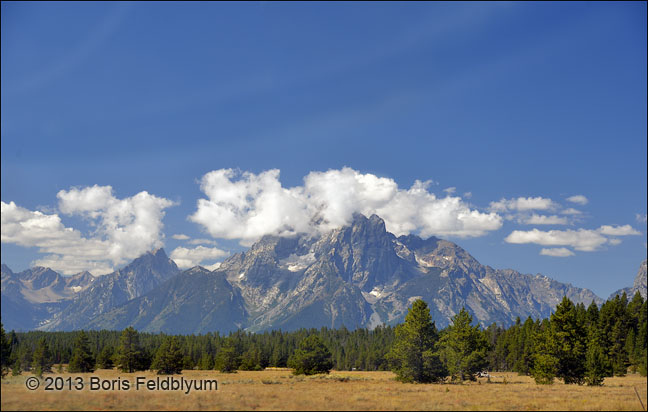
569, 335
5, 351
206, 362
252, 359
413, 357
16, 369
596, 364
129, 353
82, 358
463, 348
169, 358
545, 362
311, 358
227, 359
104, 359
42, 359
641, 339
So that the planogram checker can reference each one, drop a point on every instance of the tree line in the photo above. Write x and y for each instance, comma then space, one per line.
576, 344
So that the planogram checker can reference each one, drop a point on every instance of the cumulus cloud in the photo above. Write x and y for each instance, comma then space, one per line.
202, 242
571, 211
556, 252
522, 204
581, 239
246, 206
584, 240
123, 229
625, 230
186, 258
536, 219
579, 199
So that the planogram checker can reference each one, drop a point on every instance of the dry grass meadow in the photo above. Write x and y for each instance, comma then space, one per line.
280, 390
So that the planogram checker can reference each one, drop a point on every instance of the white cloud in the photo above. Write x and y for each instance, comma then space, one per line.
123, 229
450, 190
536, 219
557, 252
202, 242
580, 199
571, 211
247, 206
522, 204
186, 258
625, 230
642, 218
180, 236
582, 239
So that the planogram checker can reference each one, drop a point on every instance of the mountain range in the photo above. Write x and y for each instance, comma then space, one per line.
356, 276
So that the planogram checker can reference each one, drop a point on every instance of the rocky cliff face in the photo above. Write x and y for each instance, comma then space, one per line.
640, 284
363, 276
195, 301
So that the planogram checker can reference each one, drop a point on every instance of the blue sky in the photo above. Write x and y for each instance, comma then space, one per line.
506, 110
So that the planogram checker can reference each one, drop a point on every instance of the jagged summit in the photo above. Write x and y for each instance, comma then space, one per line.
359, 275
640, 284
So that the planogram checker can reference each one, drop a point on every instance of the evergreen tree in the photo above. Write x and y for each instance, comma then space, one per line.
105, 358
16, 369
252, 359
545, 362
42, 359
641, 339
82, 358
188, 363
311, 358
168, 358
5, 351
596, 364
413, 357
569, 334
463, 348
227, 360
206, 362
129, 353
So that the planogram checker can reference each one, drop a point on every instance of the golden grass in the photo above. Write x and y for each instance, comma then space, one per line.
279, 390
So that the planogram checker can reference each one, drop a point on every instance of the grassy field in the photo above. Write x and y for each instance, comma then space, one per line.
280, 390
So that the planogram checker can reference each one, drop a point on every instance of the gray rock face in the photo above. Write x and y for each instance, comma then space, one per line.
640, 284
363, 276
194, 301
31, 296
114, 289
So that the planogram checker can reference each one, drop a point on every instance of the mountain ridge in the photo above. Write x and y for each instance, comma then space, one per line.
355, 276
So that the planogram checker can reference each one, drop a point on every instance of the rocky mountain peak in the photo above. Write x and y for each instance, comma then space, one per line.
640, 284
6, 270
641, 280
